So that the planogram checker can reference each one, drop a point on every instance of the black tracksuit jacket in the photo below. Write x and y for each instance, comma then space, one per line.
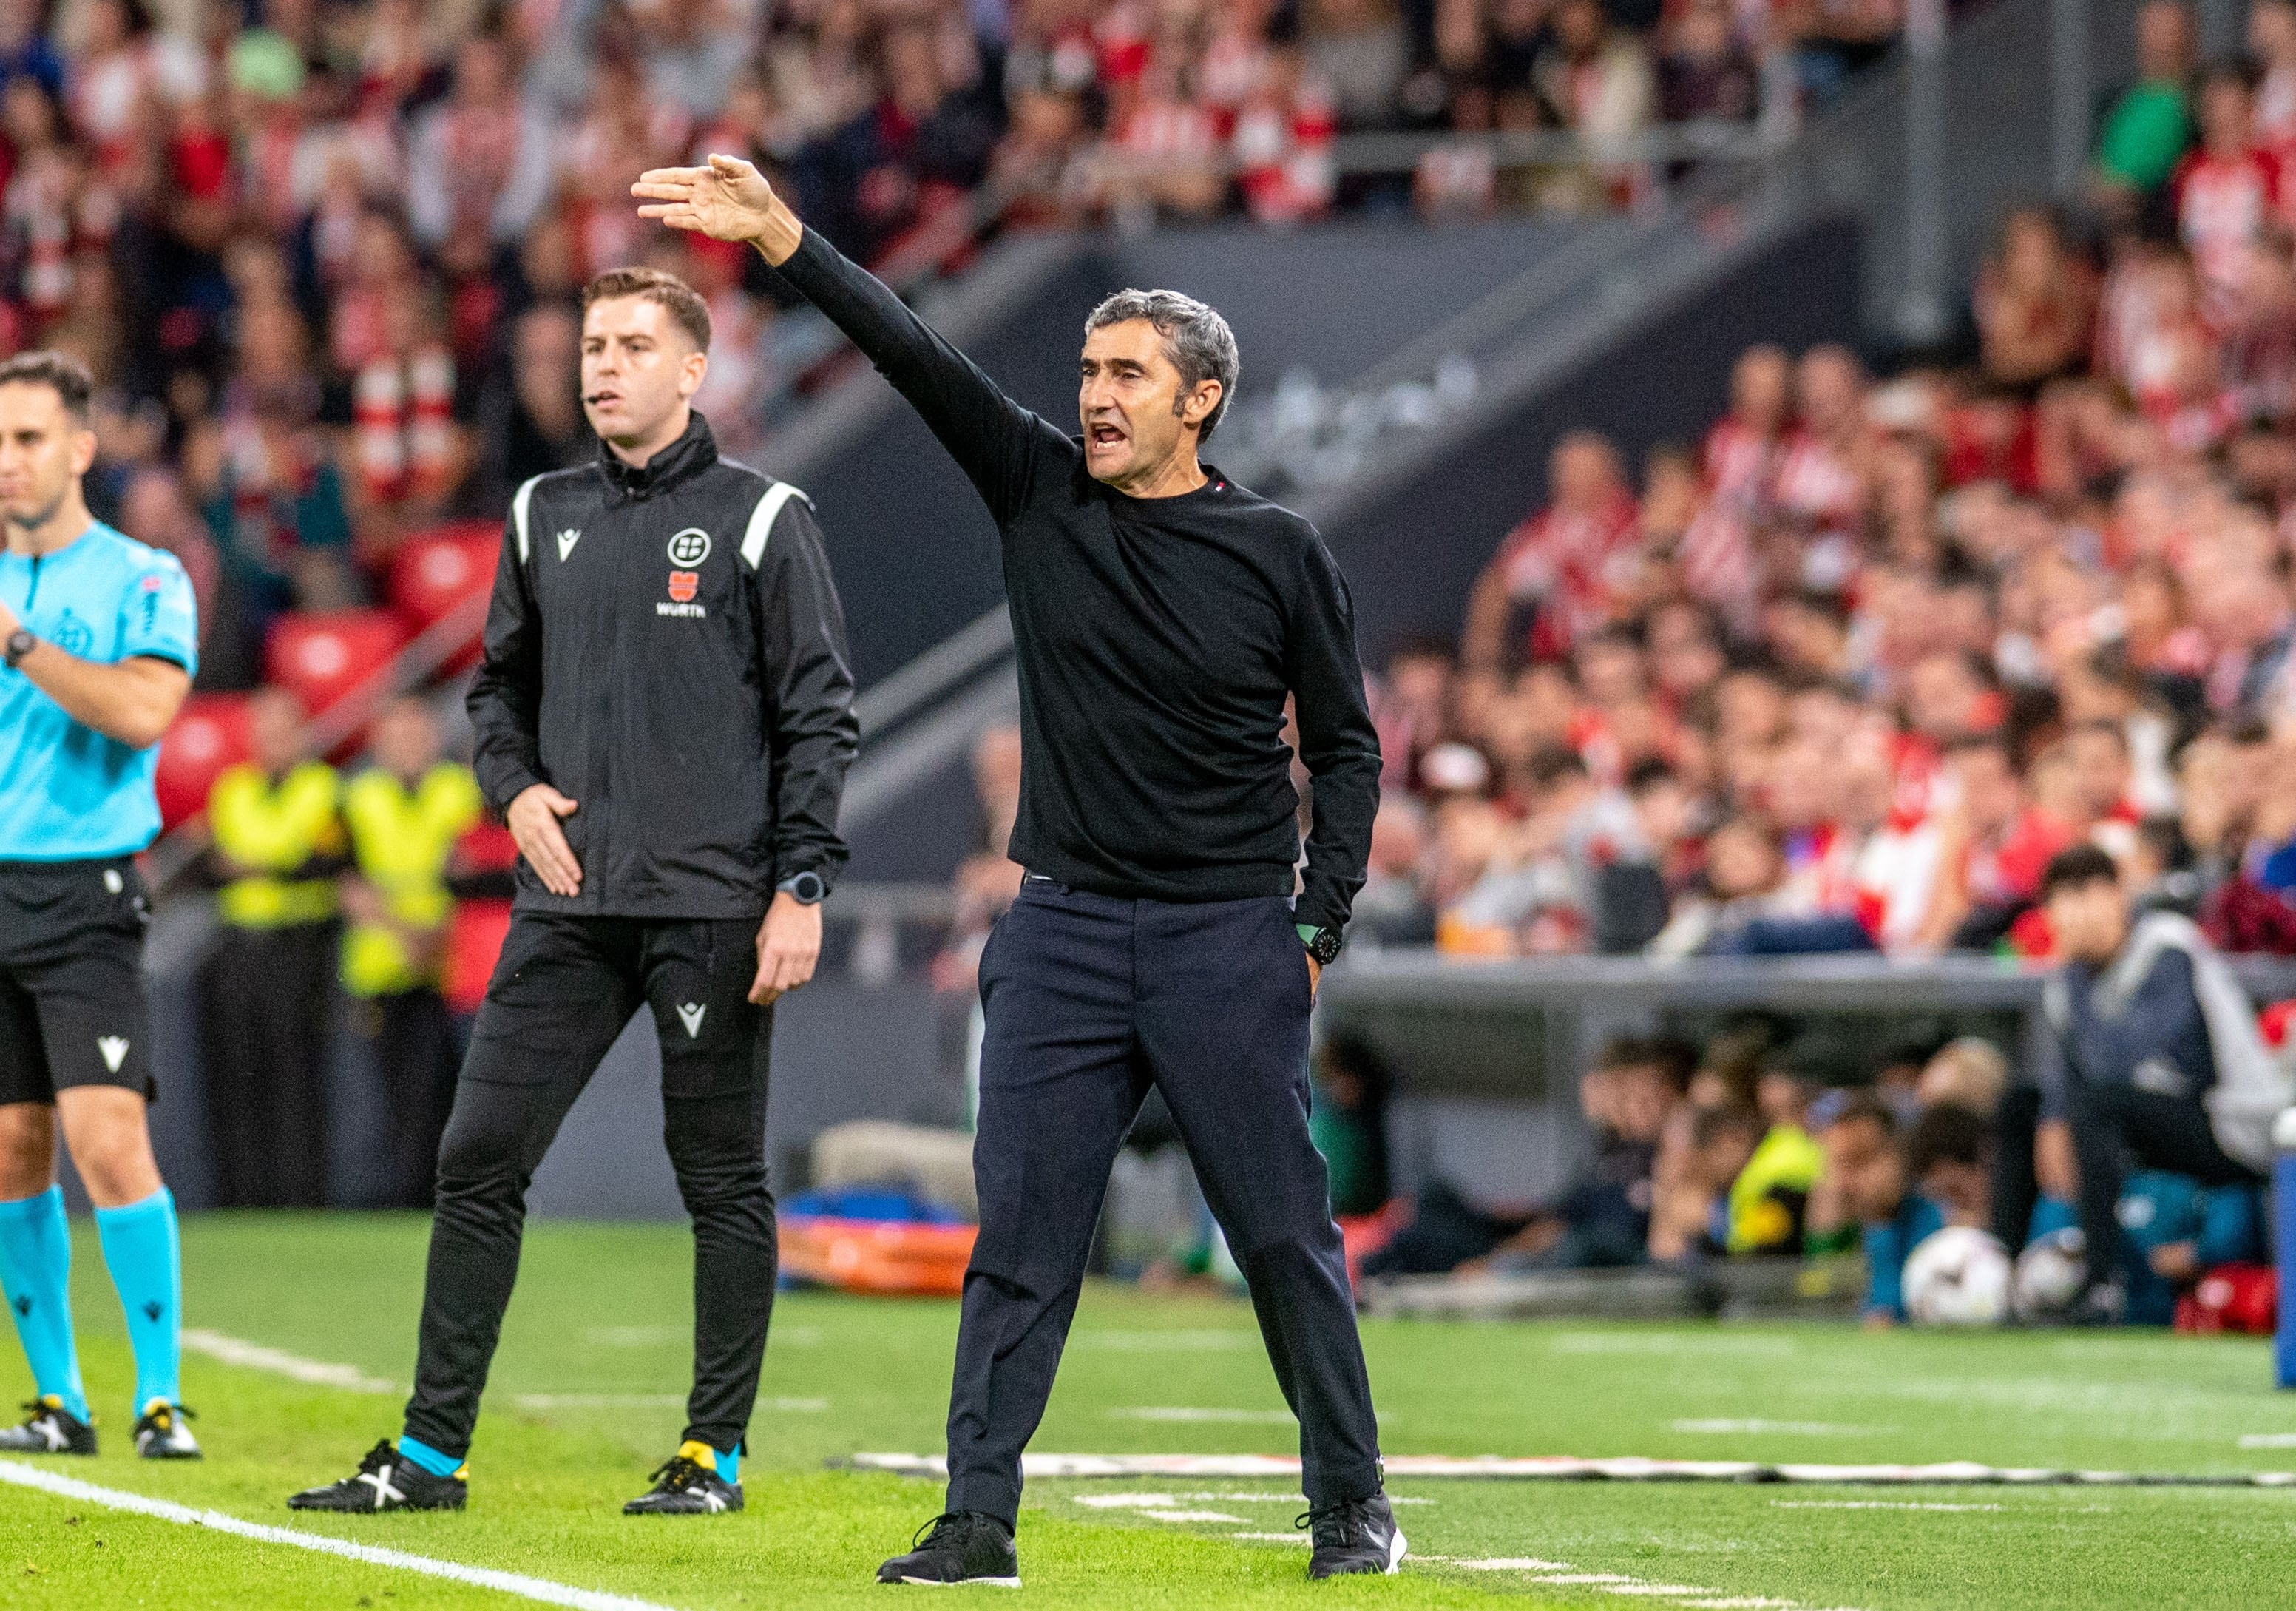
665, 645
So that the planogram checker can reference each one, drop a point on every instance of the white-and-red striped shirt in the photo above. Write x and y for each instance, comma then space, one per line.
1815, 484
1741, 466
1570, 560
2224, 205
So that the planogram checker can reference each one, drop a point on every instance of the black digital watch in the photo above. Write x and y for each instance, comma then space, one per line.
805, 888
1322, 942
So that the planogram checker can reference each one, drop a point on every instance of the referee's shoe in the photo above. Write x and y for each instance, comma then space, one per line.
386, 1480
48, 1428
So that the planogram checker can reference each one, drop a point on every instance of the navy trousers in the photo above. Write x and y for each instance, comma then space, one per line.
1089, 1000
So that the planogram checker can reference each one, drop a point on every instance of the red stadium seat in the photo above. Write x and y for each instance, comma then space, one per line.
321, 657
436, 570
210, 734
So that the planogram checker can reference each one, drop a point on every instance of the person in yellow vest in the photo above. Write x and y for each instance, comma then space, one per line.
267, 990
405, 813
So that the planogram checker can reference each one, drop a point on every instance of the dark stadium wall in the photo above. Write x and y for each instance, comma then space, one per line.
914, 553
1411, 557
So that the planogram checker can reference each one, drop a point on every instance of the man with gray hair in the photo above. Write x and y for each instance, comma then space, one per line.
1161, 617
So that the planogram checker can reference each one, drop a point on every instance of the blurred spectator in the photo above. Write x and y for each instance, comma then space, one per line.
2035, 304
1865, 1169
1703, 70
2154, 1054
1601, 1218
2151, 122
405, 814
1559, 566
266, 990
1948, 1155
1349, 1122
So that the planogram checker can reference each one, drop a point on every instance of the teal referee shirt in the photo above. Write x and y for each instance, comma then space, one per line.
67, 792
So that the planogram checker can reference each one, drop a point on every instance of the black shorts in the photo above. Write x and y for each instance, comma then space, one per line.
73, 1008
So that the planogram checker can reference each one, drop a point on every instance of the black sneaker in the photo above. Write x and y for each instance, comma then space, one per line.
48, 1428
160, 1433
1353, 1537
386, 1481
687, 1484
961, 1547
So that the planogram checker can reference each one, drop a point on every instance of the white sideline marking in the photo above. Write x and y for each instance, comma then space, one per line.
1872, 1505
1190, 1412
1740, 1602
1805, 1428
481, 1577
258, 1356
1275, 1538
1655, 1590
1194, 1516
2268, 1440
1510, 1563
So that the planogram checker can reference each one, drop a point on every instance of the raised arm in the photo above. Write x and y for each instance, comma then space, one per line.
997, 442
1338, 744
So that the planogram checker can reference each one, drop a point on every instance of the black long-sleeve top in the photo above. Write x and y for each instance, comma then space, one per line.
665, 645
1157, 640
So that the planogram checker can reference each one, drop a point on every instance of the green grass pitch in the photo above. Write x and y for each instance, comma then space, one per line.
585, 1402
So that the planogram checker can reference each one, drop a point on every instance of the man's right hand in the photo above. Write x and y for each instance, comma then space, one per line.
726, 200
533, 818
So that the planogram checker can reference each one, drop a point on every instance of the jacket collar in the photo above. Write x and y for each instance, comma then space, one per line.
695, 451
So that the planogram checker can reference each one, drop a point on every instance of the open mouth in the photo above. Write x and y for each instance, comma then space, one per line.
1104, 436
602, 399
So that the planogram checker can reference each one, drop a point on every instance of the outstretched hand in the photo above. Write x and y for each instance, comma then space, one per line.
726, 199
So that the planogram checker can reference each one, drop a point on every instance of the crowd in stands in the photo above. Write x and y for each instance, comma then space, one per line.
1846, 673
323, 257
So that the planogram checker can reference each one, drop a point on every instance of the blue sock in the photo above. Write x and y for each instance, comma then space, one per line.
36, 1273
729, 1464
146, 1263
429, 1459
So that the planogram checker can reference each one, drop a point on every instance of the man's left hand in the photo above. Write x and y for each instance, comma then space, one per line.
788, 945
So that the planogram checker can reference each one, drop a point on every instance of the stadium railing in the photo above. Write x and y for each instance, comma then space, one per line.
1519, 1029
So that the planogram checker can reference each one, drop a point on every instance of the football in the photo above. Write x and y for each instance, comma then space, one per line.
1958, 1277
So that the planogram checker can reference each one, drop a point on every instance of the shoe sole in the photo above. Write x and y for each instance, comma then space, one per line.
727, 1510
964, 1583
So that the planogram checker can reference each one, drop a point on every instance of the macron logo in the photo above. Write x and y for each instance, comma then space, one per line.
690, 1016
566, 541
114, 1050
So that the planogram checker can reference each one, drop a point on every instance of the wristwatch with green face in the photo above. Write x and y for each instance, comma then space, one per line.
1322, 942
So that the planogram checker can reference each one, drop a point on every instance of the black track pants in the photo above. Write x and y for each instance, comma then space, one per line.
563, 991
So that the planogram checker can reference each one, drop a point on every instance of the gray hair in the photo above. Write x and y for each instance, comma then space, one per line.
1196, 339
